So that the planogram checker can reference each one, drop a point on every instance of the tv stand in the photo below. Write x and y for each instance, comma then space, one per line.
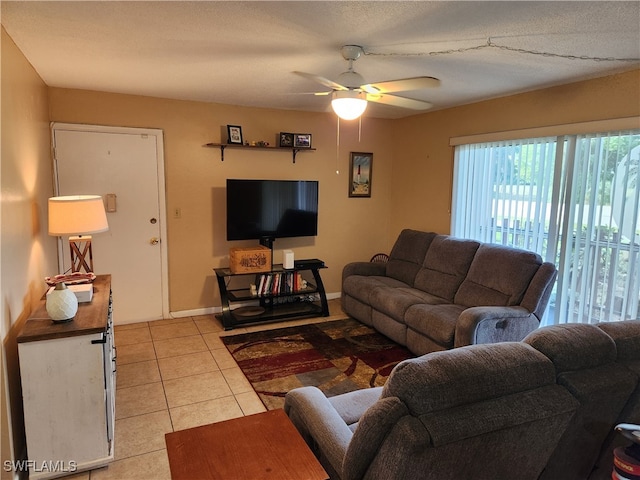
279, 294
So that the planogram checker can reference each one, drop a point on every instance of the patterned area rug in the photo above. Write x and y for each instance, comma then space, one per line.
336, 356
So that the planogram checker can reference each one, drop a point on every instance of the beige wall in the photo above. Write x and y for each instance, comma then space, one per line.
27, 253
423, 161
415, 193
195, 181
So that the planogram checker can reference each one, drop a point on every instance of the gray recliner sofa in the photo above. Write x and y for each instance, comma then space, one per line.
438, 292
483, 412
626, 336
542, 408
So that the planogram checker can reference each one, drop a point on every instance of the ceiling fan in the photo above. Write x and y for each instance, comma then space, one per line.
350, 93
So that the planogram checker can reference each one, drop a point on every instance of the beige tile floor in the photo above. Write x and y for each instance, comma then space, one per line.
174, 374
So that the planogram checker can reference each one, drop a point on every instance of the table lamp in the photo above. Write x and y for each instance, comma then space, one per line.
78, 216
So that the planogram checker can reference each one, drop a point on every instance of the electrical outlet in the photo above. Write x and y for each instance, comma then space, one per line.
177, 212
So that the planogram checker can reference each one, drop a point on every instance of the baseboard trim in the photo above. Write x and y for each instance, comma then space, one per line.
214, 310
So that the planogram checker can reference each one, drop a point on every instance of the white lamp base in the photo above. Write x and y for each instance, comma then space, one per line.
62, 304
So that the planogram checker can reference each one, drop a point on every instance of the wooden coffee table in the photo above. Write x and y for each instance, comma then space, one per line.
261, 446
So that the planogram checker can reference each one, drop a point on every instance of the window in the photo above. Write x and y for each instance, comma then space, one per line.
575, 200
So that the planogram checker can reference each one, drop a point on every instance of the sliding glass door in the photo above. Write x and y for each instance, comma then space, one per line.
573, 199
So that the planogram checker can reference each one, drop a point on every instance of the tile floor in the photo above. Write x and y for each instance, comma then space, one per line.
174, 374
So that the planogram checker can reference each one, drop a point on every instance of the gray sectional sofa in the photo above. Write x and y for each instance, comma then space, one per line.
544, 408
437, 292
599, 366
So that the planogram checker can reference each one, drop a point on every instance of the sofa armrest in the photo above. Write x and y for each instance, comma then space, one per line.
375, 426
537, 295
494, 324
315, 418
364, 268
352, 405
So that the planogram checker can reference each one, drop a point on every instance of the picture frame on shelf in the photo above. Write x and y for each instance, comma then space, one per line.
360, 167
285, 140
302, 140
234, 135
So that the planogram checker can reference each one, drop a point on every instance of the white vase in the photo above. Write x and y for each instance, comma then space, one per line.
62, 303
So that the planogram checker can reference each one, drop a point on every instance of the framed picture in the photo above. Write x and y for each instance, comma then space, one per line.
302, 140
360, 174
285, 139
234, 134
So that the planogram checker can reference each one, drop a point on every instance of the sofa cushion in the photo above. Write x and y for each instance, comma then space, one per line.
390, 327
359, 310
437, 322
407, 255
361, 287
498, 275
445, 266
420, 344
573, 346
395, 301
626, 336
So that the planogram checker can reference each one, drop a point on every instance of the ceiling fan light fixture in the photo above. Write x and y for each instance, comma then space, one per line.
349, 104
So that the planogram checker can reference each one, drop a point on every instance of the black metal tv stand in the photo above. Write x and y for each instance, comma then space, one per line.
278, 294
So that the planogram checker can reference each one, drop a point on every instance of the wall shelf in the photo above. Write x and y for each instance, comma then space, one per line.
294, 151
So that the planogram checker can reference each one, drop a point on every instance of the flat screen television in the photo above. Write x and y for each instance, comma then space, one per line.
270, 209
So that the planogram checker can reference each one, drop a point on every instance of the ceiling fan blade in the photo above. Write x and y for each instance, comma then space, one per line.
396, 101
406, 84
311, 93
321, 80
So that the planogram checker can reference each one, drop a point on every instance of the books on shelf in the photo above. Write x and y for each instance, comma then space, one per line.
270, 284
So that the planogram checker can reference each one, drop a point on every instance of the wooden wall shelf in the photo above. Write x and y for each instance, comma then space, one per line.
294, 151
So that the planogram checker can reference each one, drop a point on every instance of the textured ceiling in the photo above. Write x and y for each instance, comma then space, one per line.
244, 53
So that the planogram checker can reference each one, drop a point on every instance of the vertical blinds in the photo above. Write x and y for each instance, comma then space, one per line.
574, 199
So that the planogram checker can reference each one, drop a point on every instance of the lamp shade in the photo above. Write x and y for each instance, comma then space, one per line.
349, 104
77, 215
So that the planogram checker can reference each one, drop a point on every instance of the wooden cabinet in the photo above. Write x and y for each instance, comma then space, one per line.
68, 378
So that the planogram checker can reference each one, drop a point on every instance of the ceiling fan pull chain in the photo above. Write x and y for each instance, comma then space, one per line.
338, 148
359, 128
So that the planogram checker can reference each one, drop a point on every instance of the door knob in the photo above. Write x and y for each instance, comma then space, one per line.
154, 241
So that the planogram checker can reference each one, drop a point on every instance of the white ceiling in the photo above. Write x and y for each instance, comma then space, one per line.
244, 53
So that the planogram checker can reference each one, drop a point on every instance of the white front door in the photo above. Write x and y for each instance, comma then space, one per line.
128, 164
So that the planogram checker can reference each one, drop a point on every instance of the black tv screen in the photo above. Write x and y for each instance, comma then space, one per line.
269, 209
